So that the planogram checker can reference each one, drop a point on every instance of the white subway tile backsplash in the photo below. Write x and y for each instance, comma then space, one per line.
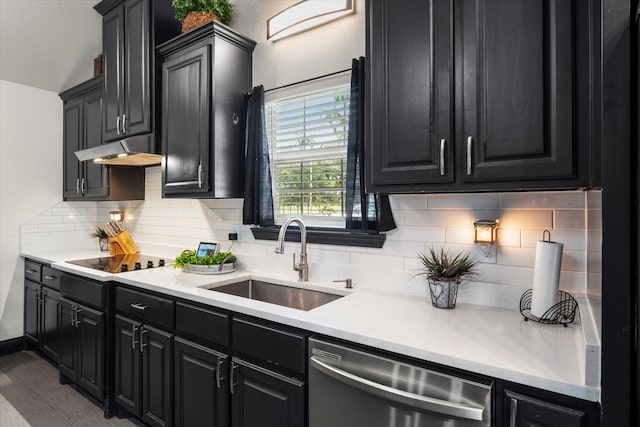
527, 219
463, 201
437, 217
569, 220
543, 200
424, 221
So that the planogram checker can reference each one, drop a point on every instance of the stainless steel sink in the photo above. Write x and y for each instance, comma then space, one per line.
287, 296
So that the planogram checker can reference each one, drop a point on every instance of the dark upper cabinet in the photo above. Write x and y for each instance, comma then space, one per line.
82, 115
130, 31
206, 74
410, 93
477, 95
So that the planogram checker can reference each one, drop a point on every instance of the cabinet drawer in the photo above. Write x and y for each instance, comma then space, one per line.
276, 346
145, 307
202, 323
83, 290
51, 277
33, 271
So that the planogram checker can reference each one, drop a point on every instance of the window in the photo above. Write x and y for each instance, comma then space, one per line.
307, 128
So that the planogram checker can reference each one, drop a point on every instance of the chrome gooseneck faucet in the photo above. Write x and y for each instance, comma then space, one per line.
302, 267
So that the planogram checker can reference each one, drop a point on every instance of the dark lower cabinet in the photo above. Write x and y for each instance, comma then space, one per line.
41, 317
263, 398
82, 341
143, 369
201, 385
522, 406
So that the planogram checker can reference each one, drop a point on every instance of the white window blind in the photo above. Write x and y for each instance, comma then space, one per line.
307, 128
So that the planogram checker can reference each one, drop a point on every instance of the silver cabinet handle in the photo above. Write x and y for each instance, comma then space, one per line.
31, 271
200, 175
78, 186
118, 125
43, 292
443, 143
139, 306
469, 146
74, 315
219, 377
83, 186
78, 310
143, 332
47, 277
470, 412
124, 121
231, 375
134, 329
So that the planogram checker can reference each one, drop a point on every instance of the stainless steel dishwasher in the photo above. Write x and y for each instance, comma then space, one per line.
352, 388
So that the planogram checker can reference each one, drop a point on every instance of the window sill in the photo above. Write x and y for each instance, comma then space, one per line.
331, 236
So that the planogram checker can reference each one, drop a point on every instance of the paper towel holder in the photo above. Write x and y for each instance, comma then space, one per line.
561, 313
485, 231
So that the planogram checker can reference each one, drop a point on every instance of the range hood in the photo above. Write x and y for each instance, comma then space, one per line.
131, 151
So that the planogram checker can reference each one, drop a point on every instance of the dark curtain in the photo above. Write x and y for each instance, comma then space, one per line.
258, 201
366, 212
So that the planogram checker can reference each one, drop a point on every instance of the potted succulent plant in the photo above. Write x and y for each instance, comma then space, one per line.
444, 272
103, 238
193, 13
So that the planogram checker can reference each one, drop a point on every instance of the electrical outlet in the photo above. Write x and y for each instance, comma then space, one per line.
486, 254
233, 236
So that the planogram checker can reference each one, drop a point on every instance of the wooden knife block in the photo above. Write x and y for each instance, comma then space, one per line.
123, 243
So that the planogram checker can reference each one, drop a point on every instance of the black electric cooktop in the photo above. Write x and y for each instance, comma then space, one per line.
120, 263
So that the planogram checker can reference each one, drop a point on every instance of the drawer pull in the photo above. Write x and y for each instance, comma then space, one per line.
219, 376
231, 383
32, 271
139, 306
50, 277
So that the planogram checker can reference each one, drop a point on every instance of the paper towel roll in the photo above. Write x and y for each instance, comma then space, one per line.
546, 276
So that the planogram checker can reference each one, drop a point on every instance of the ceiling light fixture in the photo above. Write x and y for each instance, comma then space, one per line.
305, 15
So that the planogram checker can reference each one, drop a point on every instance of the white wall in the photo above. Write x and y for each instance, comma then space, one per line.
30, 182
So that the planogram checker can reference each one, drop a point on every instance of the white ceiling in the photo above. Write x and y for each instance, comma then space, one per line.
49, 44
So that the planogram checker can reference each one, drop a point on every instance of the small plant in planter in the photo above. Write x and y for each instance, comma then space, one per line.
193, 13
444, 273
103, 238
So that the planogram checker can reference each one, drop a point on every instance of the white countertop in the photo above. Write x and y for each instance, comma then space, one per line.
492, 341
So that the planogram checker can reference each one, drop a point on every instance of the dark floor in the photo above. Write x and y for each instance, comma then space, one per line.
31, 395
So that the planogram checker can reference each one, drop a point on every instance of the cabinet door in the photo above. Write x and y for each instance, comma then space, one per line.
32, 311
137, 69
185, 122
517, 98
262, 398
73, 141
49, 333
113, 73
156, 348
95, 175
201, 385
525, 411
90, 337
67, 333
127, 364
410, 130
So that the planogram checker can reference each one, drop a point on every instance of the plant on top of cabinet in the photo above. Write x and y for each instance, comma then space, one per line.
455, 113
131, 29
193, 13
